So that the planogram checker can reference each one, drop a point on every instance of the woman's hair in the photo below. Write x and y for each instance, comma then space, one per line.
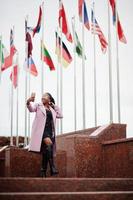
51, 98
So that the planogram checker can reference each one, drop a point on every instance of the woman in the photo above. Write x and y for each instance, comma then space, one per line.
43, 130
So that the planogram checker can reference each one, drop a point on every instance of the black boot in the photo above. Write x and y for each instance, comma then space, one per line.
44, 164
53, 170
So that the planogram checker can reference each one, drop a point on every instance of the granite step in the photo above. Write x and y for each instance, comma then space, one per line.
104, 195
65, 184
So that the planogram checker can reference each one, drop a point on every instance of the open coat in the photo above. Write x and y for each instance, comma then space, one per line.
39, 124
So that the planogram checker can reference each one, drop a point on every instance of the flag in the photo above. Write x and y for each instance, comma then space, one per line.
78, 47
63, 20
120, 32
28, 40
12, 46
8, 58
66, 56
29, 44
38, 26
5, 60
86, 19
95, 29
29, 66
14, 76
46, 57
1, 53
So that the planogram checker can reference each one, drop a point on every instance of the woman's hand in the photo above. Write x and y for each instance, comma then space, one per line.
31, 99
52, 104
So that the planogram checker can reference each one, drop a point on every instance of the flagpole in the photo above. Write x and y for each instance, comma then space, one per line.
110, 67
26, 56
75, 81
117, 67
12, 97
57, 81
95, 73
17, 108
83, 71
42, 69
29, 95
61, 84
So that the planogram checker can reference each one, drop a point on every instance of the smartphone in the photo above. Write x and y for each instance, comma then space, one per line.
33, 94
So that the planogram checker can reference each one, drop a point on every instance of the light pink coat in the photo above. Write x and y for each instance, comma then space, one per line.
39, 124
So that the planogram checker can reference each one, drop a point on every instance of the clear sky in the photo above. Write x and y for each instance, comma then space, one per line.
14, 12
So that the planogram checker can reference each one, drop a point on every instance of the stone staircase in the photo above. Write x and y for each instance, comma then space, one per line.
66, 188
106, 154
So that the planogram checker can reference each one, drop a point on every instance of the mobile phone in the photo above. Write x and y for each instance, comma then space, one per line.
33, 94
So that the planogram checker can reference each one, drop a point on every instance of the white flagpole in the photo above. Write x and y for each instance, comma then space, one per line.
117, 67
17, 108
61, 73
12, 97
57, 80
83, 72
110, 67
0, 55
75, 80
26, 56
61, 83
29, 112
42, 69
95, 73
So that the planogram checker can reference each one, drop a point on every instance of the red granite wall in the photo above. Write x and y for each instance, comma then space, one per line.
80, 155
118, 158
84, 153
21, 163
112, 132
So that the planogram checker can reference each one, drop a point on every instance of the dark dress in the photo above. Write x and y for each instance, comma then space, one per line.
48, 130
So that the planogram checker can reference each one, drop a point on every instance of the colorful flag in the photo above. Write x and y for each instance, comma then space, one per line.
84, 18
78, 47
46, 57
120, 32
29, 66
5, 58
8, 58
38, 26
95, 29
28, 40
63, 22
14, 76
66, 56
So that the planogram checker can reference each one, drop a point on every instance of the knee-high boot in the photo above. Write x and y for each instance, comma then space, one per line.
53, 170
44, 164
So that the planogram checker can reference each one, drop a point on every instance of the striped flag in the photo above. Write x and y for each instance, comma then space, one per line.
30, 66
66, 56
5, 61
84, 18
46, 57
63, 22
8, 58
120, 32
95, 29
